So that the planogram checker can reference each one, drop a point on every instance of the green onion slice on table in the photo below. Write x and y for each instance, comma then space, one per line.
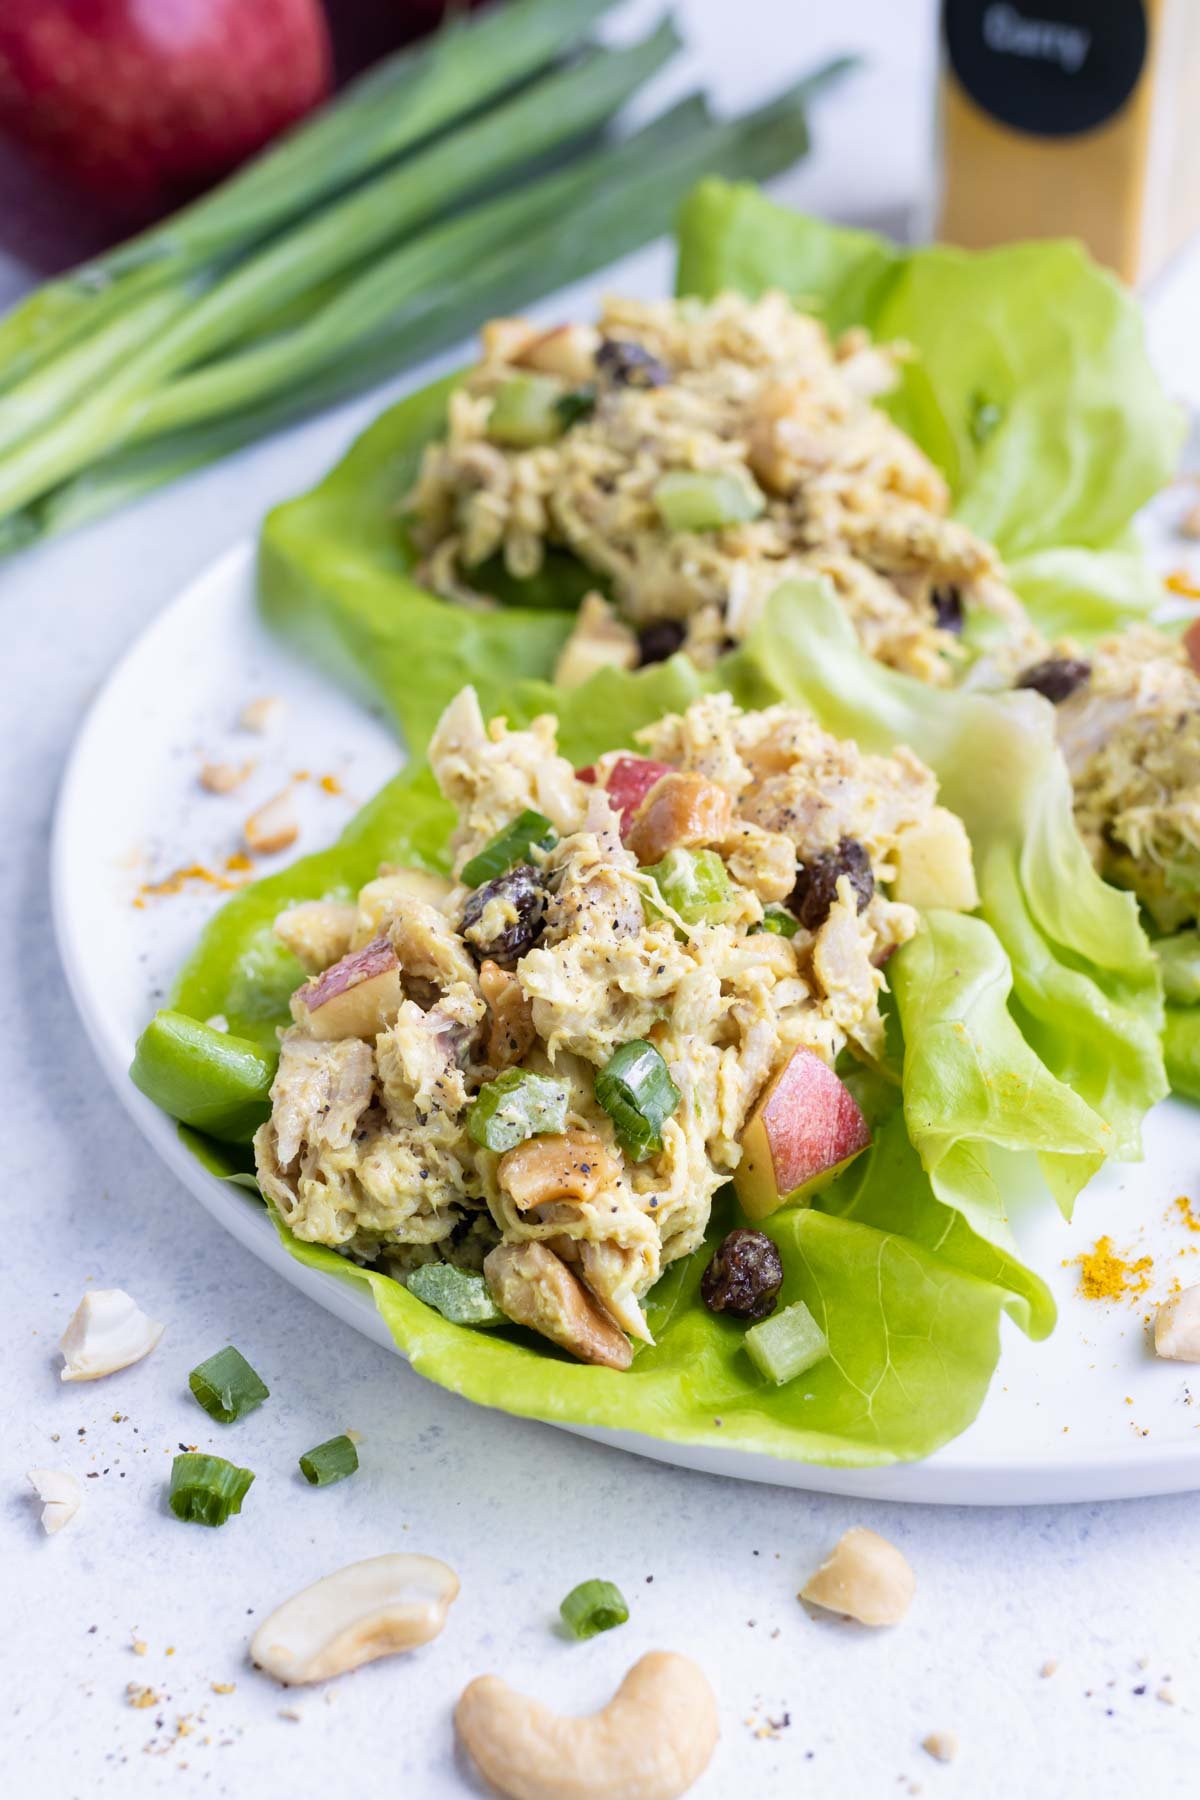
786, 1344
329, 1462
529, 831
458, 1294
206, 1490
519, 1104
226, 1386
593, 1606
636, 1091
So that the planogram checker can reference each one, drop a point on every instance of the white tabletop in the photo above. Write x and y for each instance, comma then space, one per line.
1106, 1595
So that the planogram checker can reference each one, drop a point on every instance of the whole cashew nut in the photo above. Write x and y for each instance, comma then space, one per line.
651, 1742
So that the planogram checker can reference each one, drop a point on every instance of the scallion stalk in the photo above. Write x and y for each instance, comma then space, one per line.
592, 1607
329, 1462
206, 1490
636, 1091
226, 1386
529, 831
780, 921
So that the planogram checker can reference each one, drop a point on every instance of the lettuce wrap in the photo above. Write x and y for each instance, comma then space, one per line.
907, 1261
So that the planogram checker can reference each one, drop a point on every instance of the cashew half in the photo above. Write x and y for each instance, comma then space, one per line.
370, 1609
107, 1332
1177, 1327
866, 1578
60, 1495
651, 1742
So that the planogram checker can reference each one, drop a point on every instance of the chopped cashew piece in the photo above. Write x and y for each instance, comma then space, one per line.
263, 715
1177, 1327
535, 1288
568, 351
60, 1495
273, 827
370, 1609
568, 1165
317, 932
222, 778
941, 1745
683, 810
107, 1332
866, 1578
652, 1741
511, 1031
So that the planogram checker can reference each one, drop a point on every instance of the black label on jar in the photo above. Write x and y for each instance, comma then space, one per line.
1052, 68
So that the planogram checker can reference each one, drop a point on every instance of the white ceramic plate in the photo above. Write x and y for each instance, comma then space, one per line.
1089, 1415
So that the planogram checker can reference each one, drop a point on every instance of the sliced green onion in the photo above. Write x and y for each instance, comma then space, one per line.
593, 1606
707, 499
329, 1462
205, 1490
526, 411
529, 831
636, 1091
459, 1295
695, 884
580, 403
786, 1344
517, 1105
779, 920
226, 1386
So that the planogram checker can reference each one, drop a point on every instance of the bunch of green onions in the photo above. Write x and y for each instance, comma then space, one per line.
463, 177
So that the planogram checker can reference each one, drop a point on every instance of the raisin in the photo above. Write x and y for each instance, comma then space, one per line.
521, 887
628, 364
659, 641
1056, 678
816, 882
947, 609
744, 1276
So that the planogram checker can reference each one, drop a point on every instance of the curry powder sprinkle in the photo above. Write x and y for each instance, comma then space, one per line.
1104, 1274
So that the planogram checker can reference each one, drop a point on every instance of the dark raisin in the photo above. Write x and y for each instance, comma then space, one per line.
744, 1276
1056, 678
521, 887
658, 641
816, 882
947, 609
628, 364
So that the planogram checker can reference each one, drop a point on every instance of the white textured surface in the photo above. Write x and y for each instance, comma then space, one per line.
520, 1511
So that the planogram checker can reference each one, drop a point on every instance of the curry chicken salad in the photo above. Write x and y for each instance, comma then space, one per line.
533, 1078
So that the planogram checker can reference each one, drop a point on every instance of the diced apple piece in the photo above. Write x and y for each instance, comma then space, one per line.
391, 887
803, 1132
629, 780
357, 997
934, 866
599, 641
1191, 643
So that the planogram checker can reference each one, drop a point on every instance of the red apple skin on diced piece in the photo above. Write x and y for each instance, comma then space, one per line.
1191, 643
356, 997
629, 781
803, 1132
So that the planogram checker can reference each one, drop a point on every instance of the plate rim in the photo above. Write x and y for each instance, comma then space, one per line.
947, 1477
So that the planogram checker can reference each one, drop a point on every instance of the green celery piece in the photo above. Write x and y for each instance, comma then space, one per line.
529, 831
458, 1294
519, 1104
525, 411
695, 884
786, 1344
387, 111
329, 1462
211, 1079
707, 499
206, 1490
227, 1387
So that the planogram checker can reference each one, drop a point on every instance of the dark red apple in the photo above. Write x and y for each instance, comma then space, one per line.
1191, 643
629, 781
803, 1132
356, 997
148, 101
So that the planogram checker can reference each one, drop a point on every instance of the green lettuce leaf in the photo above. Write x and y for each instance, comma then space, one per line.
1087, 988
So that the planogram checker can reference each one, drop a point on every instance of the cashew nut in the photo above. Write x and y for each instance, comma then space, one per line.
651, 1742
107, 1332
370, 1609
60, 1495
866, 1578
1177, 1327
534, 1287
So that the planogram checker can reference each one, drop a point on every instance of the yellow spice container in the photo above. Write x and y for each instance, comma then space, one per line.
1075, 118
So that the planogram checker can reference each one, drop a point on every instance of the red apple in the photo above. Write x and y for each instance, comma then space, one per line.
803, 1132
1191, 643
356, 997
147, 101
630, 779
